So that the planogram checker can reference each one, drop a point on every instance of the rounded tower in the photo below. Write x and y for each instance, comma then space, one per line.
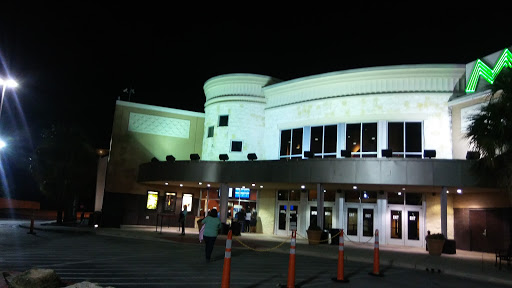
234, 116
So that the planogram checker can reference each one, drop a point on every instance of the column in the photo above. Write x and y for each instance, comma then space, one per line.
224, 195
340, 203
320, 205
444, 213
380, 217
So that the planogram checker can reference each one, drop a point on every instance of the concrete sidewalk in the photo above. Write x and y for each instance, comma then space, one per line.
472, 265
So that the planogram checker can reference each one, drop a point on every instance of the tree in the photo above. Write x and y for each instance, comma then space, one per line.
65, 165
490, 133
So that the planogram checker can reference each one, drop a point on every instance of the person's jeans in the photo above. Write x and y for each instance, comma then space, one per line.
209, 242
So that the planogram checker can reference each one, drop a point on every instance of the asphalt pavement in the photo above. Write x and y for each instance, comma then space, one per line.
471, 265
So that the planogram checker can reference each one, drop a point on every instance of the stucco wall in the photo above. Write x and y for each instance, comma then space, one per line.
148, 137
433, 214
460, 113
266, 211
246, 123
430, 108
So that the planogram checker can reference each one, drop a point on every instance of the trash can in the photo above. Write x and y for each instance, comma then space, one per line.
335, 234
224, 229
236, 227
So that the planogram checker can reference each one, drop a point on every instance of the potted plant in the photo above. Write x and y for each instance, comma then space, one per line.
435, 243
314, 234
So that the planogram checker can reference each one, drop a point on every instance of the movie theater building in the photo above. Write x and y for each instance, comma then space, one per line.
374, 148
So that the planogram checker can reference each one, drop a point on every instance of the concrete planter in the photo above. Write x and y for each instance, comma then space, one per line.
314, 236
435, 246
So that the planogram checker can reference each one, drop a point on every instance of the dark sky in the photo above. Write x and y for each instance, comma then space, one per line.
74, 60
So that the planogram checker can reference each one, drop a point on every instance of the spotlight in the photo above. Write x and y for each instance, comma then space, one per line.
309, 154
154, 159
194, 157
252, 156
170, 158
223, 157
429, 153
387, 153
472, 155
346, 153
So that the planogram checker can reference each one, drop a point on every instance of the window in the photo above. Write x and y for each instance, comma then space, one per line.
405, 139
187, 200
170, 202
223, 120
323, 140
152, 202
361, 139
291, 143
210, 131
236, 146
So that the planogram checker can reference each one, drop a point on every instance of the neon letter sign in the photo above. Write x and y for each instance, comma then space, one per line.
487, 73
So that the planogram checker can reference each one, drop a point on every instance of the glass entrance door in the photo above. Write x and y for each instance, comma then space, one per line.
360, 222
405, 225
288, 219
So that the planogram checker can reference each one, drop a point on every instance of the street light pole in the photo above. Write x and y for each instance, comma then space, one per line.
6, 83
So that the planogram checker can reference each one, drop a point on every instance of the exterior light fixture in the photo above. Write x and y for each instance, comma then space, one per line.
166, 183
459, 191
181, 185
302, 186
354, 187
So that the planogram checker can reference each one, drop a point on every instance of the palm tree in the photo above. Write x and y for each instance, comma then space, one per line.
490, 133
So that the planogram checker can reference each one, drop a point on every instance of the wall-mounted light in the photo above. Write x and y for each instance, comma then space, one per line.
170, 158
194, 157
223, 157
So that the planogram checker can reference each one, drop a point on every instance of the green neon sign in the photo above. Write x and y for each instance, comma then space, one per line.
487, 73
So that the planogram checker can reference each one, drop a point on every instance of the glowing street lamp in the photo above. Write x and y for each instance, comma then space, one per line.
5, 84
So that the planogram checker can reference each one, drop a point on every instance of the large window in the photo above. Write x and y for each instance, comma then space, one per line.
405, 139
323, 141
291, 143
361, 139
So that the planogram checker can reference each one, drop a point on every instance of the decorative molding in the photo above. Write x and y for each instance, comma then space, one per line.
157, 125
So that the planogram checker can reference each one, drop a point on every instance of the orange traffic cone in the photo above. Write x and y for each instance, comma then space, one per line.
341, 259
376, 271
226, 272
291, 263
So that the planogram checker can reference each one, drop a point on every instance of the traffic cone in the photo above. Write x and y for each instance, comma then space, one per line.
376, 271
341, 259
227, 262
291, 263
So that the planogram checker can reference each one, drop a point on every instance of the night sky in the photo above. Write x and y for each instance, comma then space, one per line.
74, 59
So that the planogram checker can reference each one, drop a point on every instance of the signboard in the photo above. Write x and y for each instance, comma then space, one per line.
486, 73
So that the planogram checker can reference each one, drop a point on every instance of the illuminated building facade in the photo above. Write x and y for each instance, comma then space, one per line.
375, 148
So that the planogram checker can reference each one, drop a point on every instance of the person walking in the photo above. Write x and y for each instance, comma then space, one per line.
184, 219
247, 220
211, 230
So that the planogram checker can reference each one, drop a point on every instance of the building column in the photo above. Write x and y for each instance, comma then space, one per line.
320, 205
380, 216
224, 195
340, 203
444, 213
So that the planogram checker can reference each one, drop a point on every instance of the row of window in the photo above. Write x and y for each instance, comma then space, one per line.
405, 139
354, 196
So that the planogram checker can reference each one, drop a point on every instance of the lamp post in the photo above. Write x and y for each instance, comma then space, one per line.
6, 83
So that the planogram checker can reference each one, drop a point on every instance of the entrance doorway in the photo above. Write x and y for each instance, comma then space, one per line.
360, 221
288, 219
405, 225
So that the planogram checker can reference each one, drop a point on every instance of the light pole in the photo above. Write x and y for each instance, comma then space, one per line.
6, 83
